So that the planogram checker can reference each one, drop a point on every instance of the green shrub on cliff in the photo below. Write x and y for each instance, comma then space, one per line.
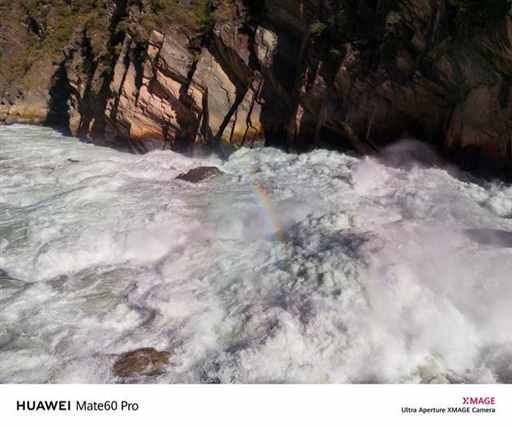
196, 15
317, 28
36, 31
54, 24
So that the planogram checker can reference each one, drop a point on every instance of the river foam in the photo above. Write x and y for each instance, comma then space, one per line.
305, 268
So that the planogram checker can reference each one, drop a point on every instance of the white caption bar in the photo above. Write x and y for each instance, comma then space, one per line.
256, 406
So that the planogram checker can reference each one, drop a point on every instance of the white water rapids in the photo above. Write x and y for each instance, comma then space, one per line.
376, 273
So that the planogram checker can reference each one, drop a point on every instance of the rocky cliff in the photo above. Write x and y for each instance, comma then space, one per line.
186, 74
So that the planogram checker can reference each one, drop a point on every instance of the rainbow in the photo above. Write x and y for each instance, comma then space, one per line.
272, 220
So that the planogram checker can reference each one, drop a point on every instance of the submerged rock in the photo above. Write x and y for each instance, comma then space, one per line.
199, 174
491, 237
4, 277
145, 361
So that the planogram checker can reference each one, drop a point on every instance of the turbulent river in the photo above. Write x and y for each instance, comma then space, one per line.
313, 268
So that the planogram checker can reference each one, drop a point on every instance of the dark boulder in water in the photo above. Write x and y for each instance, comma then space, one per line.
491, 237
145, 361
199, 174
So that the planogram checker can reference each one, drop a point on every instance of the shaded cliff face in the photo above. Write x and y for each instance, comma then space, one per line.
294, 73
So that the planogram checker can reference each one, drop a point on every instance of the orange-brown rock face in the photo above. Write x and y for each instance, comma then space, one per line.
295, 73
183, 94
152, 102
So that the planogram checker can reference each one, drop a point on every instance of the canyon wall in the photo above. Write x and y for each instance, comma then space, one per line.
208, 74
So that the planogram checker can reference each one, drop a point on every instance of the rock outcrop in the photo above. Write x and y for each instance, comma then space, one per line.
345, 74
202, 173
145, 361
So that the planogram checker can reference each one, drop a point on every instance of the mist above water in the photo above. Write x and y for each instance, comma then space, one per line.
288, 268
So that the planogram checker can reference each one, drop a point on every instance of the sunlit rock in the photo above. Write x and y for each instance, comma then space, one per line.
199, 174
145, 361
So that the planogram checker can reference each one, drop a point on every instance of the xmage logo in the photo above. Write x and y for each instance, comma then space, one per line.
479, 401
